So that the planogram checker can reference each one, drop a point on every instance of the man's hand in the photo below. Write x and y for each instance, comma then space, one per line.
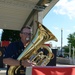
27, 63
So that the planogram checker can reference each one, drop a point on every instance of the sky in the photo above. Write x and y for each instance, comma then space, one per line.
61, 16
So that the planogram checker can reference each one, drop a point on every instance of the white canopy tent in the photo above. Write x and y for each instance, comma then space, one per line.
14, 13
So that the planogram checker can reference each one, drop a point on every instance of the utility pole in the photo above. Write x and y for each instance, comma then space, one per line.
61, 40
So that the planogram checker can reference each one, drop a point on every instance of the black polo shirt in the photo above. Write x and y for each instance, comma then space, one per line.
13, 51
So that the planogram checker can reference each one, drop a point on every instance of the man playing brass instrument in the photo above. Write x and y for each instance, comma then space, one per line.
14, 50
25, 52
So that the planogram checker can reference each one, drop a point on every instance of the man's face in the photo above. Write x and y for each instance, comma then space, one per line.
25, 35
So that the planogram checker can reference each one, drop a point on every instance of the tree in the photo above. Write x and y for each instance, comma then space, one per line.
71, 39
66, 49
10, 35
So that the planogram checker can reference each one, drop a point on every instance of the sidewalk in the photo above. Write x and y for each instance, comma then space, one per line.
2, 71
64, 65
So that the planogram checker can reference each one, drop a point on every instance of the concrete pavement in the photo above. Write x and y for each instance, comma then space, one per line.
2, 71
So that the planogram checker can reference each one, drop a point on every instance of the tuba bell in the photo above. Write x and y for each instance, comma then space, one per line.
32, 51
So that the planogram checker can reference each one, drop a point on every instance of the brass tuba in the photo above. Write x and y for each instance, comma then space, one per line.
31, 51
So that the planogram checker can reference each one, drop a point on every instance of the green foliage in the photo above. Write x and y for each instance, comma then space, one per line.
71, 39
10, 35
66, 49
